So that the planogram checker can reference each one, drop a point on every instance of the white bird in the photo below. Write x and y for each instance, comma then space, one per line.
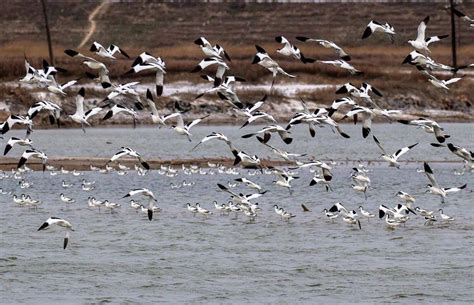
211, 51
224, 90
258, 115
464, 17
66, 199
267, 130
80, 116
119, 108
366, 213
241, 198
59, 222
340, 63
283, 154
59, 88
32, 153
423, 212
374, 27
127, 151
434, 188
210, 61
201, 210
151, 200
149, 63
16, 119
213, 136
330, 215
444, 216
53, 109
107, 53
264, 60
249, 183
143, 191
246, 160
16, 141
392, 159
155, 115
191, 208
429, 126
93, 64
111, 205
443, 84
328, 45
421, 43
182, 129
409, 199
291, 50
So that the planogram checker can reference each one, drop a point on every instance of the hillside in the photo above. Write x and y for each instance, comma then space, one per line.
168, 30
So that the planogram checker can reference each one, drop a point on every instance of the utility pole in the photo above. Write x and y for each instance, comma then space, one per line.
48, 34
453, 34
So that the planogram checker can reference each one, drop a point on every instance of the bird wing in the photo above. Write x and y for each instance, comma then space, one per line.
429, 174
80, 103
379, 145
422, 28
402, 151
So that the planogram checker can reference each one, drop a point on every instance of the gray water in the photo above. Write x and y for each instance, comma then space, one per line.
122, 257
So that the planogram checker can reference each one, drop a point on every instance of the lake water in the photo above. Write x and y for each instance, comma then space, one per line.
122, 257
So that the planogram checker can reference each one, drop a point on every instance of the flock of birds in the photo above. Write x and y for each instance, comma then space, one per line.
359, 104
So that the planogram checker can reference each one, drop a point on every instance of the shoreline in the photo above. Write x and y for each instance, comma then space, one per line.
84, 163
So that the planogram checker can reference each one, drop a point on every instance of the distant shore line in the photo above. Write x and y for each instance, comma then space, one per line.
85, 163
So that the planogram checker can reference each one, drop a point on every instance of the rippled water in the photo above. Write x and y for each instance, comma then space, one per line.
181, 258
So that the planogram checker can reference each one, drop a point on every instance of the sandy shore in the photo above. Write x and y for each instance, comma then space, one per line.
84, 163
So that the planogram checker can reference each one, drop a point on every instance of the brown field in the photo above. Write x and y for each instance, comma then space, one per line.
168, 30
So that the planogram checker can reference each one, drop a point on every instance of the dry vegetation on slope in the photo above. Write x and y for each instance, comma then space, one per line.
168, 30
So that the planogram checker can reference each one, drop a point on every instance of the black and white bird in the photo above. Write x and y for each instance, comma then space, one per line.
33, 153
57, 88
258, 115
461, 152
225, 90
445, 217
151, 199
249, 183
80, 116
428, 126
53, 109
328, 45
292, 50
107, 53
211, 51
117, 108
435, 189
268, 130
421, 43
16, 119
147, 62
241, 198
362, 92
264, 60
340, 63
245, 160
59, 222
93, 64
213, 136
127, 151
182, 129
222, 67
16, 141
376, 27
155, 115
392, 159
464, 17
281, 153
